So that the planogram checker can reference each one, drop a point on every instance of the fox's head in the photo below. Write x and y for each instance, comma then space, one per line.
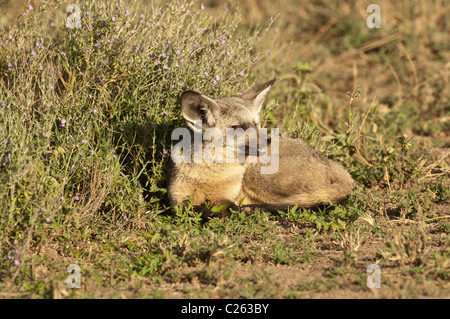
222, 113
239, 112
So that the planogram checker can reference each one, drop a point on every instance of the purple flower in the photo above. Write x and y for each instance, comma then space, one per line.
51, 88
84, 141
206, 73
41, 68
228, 53
165, 67
63, 123
47, 219
241, 74
10, 37
215, 83
52, 24
8, 159
94, 111
84, 127
10, 256
30, 7
41, 209
165, 112
127, 12
113, 19
165, 151
3, 104
202, 6
217, 77
177, 52
77, 198
16, 262
32, 52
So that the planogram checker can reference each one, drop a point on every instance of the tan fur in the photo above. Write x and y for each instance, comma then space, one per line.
216, 183
303, 178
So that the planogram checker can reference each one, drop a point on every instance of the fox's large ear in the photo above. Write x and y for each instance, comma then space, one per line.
196, 106
258, 94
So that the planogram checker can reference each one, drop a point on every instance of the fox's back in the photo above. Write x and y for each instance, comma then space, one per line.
301, 171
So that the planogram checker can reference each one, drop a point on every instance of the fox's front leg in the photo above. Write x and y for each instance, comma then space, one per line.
195, 198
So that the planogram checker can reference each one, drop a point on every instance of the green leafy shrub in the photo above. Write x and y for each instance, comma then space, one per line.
86, 113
